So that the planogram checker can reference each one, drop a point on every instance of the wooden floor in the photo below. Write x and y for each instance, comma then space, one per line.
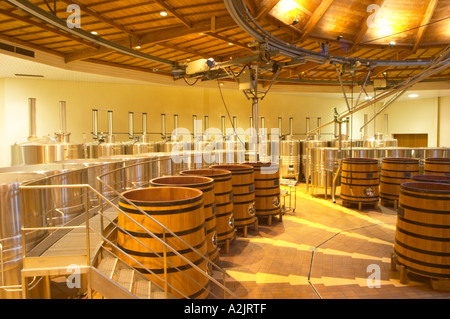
322, 251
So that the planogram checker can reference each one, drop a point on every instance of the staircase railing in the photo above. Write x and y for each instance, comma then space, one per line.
166, 232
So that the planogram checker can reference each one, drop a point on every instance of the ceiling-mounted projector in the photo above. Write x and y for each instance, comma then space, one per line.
198, 66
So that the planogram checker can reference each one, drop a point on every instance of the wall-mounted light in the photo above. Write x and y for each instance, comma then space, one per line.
392, 43
413, 95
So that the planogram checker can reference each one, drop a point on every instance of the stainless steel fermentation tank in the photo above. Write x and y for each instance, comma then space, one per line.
15, 213
103, 145
140, 144
45, 150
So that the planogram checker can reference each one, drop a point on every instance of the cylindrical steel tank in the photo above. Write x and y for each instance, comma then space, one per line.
290, 160
11, 208
324, 162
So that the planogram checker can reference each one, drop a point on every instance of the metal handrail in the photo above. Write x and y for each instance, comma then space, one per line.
89, 187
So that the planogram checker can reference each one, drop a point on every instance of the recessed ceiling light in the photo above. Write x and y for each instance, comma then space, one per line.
229, 43
137, 47
392, 43
368, 97
413, 95
163, 13
94, 32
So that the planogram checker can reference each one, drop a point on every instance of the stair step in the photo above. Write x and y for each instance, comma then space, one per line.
158, 295
142, 289
107, 266
124, 277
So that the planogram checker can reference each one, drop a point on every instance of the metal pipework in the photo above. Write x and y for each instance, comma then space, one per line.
194, 126
163, 126
32, 118
206, 124
144, 123
110, 123
175, 127
319, 121
222, 119
308, 124
94, 124
280, 126
110, 137
62, 116
131, 125
291, 126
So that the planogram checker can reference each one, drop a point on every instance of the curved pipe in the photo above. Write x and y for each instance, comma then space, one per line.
242, 17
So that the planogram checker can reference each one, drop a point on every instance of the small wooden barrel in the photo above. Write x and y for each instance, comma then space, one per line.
223, 190
206, 185
243, 193
395, 171
267, 189
360, 181
179, 209
422, 237
431, 178
437, 166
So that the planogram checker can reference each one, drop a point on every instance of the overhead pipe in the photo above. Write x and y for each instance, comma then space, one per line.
240, 14
400, 87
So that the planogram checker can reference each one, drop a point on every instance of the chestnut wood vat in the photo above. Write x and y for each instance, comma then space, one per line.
395, 171
431, 178
179, 209
437, 166
223, 190
243, 194
360, 181
206, 185
267, 190
422, 237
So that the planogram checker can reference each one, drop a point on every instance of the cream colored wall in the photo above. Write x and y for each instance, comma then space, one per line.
444, 121
418, 116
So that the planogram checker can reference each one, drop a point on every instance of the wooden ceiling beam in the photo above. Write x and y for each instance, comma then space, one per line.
317, 15
265, 7
228, 40
364, 27
426, 19
101, 17
45, 27
160, 36
173, 11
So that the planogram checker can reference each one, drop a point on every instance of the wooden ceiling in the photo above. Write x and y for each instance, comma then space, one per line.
202, 29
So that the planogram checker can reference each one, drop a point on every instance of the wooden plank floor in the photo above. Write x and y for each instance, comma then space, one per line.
322, 251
